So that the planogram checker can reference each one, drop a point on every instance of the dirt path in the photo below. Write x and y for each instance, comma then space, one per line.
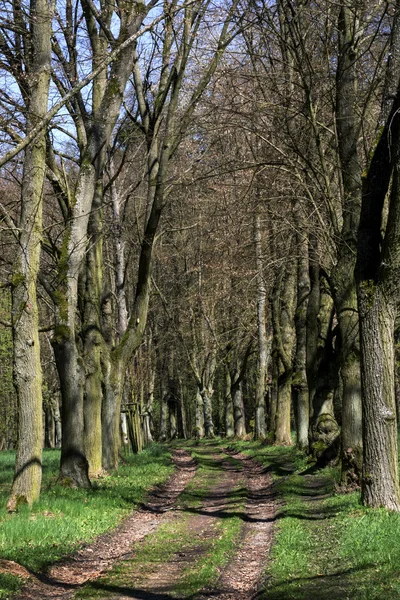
232, 477
61, 581
243, 576
154, 582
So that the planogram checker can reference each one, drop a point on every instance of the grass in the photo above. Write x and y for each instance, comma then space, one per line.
329, 546
65, 518
210, 553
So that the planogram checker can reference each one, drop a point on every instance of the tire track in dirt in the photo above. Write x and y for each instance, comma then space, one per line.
61, 580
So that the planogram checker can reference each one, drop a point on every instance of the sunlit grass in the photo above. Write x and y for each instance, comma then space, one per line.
327, 546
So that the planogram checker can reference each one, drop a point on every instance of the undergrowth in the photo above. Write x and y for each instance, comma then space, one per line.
65, 518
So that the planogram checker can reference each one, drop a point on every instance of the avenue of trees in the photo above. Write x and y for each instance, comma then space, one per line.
200, 230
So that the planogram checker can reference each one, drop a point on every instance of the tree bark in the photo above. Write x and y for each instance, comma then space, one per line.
284, 333
313, 306
380, 483
377, 272
207, 406
74, 467
164, 417
173, 422
67, 355
93, 339
238, 410
299, 384
148, 409
260, 430
273, 397
199, 427
344, 286
25, 321
229, 413
284, 401
327, 364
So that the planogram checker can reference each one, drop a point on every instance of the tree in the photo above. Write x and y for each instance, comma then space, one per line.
164, 120
300, 387
260, 422
31, 57
83, 220
377, 272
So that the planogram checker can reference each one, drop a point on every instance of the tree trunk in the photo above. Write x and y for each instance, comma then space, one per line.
164, 408
124, 431
92, 404
148, 409
92, 338
282, 422
57, 420
344, 287
380, 484
74, 467
283, 318
119, 259
313, 306
300, 387
260, 430
65, 346
378, 272
114, 378
26, 349
207, 407
273, 397
229, 413
238, 410
172, 411
199, 427
50, 430
327, 363
324, 428
134, 426
182, 416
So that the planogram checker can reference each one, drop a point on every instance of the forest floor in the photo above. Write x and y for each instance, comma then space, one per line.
236, 523
205, 533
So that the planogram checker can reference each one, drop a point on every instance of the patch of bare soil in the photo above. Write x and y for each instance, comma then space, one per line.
13, 568
60, 582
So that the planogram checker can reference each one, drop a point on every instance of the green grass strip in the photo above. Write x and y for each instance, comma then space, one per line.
221, 549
